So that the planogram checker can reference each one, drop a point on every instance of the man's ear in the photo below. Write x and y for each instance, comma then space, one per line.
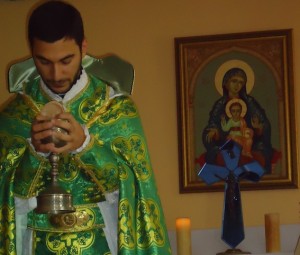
84, 47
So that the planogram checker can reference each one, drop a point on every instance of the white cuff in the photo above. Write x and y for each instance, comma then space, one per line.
43, 154
86, 141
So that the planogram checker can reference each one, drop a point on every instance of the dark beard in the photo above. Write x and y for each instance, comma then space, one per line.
76, 78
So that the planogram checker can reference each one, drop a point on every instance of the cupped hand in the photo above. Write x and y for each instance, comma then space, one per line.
73, 136
43, 128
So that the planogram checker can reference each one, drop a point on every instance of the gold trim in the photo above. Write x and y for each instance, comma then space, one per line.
68, 103
69, 220
31, 103
66, 230
102, 109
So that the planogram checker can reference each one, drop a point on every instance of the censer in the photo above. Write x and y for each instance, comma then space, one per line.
54, 199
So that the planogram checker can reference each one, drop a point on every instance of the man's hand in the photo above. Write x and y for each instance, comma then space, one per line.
42, 128
74, 137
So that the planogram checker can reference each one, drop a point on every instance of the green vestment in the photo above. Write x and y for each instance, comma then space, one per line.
116, 158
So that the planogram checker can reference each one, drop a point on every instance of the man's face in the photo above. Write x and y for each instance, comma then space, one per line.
58, 63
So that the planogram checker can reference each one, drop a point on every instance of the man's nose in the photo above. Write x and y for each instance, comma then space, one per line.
56, 72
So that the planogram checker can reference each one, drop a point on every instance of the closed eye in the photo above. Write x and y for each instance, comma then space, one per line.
67, 60
44, 61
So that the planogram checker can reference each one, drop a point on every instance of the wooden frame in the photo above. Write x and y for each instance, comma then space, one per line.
266, 59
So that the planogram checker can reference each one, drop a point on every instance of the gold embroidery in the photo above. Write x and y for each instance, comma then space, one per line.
32, 105
90, 106
70, 243
149, 229
7, 229
134, 151
126, 232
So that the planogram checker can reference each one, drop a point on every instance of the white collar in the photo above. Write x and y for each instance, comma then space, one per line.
76, 88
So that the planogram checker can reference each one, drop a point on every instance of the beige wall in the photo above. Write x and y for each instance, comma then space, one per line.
143, 32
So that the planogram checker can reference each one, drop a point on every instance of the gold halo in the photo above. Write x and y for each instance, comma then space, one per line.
234, 63
236, 100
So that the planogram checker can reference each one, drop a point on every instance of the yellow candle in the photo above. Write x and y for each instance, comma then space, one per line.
183, 235
272, 232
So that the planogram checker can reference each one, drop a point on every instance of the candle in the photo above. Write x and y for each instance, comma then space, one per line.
183, 234
272, 232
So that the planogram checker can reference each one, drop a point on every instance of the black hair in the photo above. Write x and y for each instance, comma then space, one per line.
55, 20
